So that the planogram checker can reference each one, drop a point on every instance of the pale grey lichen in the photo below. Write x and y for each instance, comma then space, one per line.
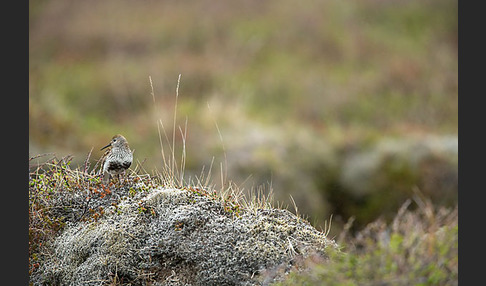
185, 239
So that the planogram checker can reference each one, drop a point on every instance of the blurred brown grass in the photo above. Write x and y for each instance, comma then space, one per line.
287, 85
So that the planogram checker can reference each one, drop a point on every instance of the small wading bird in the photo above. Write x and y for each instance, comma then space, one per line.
118, 158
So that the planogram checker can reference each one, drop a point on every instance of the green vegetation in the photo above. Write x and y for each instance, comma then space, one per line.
347, 70
418, 248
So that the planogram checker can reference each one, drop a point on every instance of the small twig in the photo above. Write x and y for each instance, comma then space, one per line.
86, 162
41, 155
174, 166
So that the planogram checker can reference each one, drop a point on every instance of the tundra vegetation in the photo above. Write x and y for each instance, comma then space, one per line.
341, 114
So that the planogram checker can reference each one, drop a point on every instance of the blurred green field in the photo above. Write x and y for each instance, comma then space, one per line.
277, 93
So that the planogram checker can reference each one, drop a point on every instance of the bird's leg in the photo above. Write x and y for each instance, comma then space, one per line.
124, 176
106, 178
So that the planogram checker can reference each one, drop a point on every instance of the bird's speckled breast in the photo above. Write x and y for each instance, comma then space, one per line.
118, 166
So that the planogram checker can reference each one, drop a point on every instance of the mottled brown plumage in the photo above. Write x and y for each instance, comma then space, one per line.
118, 158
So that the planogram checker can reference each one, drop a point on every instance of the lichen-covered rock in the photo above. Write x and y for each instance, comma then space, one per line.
178, 237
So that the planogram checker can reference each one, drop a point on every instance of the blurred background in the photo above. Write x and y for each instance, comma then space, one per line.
350, 107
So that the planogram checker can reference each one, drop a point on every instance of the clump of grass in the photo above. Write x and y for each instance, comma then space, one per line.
231, 196
419, 247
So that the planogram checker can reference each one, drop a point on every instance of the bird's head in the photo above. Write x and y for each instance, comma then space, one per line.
117, 141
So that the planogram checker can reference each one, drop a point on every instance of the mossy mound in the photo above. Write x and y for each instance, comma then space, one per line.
179, 237
375, 181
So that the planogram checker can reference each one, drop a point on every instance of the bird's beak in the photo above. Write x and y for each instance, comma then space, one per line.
105, 146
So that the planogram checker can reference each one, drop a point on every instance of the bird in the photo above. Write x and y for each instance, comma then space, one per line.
117, 159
